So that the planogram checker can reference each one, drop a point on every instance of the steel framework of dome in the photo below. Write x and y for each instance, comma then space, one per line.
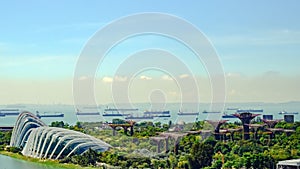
40, 141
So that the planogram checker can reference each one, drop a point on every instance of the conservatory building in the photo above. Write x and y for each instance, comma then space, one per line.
40, 141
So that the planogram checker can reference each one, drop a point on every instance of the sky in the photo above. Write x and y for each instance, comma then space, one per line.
257, 43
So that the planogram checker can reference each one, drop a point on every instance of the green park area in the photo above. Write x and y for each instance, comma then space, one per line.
152, 145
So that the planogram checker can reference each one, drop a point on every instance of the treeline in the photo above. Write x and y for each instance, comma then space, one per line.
61, 124
4, 139
191, 152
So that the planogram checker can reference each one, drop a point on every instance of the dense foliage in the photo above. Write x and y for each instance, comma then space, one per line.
195, 152
191, 151
4, 139
61, 124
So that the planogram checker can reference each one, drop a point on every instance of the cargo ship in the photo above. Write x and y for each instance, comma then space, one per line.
210, 112
10, 112
45, 114
87, 113
230, 108
180, 113
113, 114
121, 110
249, 110
163, 115
156, 112
227, 116
116, 112
79, 113
284, 112
139, 117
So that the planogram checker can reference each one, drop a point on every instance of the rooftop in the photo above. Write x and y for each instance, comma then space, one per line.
294, 162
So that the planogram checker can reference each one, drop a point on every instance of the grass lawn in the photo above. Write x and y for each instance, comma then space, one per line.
53, 163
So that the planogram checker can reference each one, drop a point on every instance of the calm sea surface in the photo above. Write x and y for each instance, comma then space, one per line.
71, 118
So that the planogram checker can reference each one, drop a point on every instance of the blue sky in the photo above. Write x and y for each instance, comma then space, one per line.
41, 40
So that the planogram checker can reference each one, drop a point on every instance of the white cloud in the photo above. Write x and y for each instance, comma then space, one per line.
184, 76
83, 78
120, 78
107, 79
166, 77
143, 77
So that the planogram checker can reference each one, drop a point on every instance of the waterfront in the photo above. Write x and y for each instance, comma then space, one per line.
71, 118
13, 163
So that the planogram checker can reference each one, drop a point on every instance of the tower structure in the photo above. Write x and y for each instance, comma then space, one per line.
271, 123
217, 124
246, 118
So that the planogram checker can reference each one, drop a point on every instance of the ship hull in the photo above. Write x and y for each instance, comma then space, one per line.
50, 115
87, 114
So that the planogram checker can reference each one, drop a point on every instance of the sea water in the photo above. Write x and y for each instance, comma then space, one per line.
71, 118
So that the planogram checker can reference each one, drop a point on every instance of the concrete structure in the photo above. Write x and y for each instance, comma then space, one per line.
175, 136
232, 131
288, 164
246, 118
217, 124
222, 134
255, 127
203, 133
125, 126
40, 141
159, 140
271, 123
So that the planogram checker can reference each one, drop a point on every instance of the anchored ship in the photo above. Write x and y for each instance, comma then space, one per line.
116, 112
45, 114
249, 110
230, 108
139, 117
113, 114
163, 115
156, 112
284, 112
79, 113
227, 116
122, 110
10, 112
180, 113
87, 113
210, 112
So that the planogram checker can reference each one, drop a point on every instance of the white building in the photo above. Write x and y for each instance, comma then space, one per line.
289, 164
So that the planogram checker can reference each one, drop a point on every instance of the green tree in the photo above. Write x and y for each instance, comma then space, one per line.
5, 137
201, 155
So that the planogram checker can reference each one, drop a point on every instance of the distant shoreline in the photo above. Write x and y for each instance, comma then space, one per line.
105, 104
